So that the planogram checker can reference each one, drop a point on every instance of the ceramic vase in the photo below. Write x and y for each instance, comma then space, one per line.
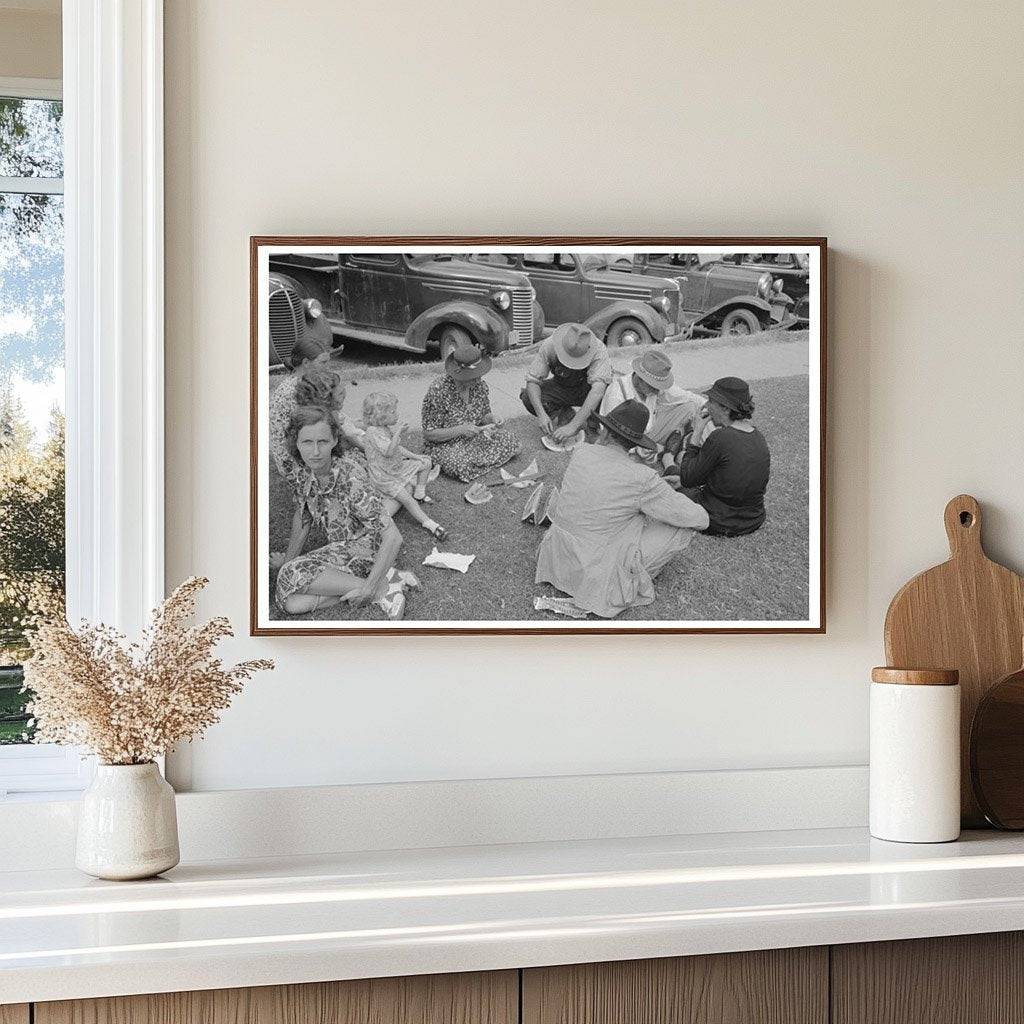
127, 825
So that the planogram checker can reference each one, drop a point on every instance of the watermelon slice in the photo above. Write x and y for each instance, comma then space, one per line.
549, 507
530, 509
478, 494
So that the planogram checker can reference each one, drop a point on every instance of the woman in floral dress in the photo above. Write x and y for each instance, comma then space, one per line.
459, 430
331, 493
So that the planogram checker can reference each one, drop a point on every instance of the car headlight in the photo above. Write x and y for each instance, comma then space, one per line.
661, 302
502, 300
314, 309
777, 285
764, 285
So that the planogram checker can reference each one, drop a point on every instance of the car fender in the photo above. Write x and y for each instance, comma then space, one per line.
320, 331
488, 329
647, 315
758, 306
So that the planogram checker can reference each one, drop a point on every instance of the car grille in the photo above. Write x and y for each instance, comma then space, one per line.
522, 314
287, 321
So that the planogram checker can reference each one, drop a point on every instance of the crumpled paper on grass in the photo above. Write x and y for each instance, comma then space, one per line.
560, 606
449, 560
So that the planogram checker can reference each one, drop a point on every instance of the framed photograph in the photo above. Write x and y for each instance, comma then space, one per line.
537, 435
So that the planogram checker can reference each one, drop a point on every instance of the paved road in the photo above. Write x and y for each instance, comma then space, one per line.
694, 369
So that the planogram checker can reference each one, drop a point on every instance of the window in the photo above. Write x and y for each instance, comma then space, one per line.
563, 261
375, 259
31, 387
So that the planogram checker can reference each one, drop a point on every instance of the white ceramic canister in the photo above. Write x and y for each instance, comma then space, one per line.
127, 824
915, 755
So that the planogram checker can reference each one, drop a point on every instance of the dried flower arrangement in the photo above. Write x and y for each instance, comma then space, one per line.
130, 703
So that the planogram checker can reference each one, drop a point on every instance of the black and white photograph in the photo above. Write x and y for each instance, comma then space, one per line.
495, 435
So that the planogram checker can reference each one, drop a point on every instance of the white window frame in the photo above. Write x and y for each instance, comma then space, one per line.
114, 328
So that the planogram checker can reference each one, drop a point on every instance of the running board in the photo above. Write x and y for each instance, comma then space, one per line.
383, 338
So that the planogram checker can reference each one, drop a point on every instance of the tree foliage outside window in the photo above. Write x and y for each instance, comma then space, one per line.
31, 375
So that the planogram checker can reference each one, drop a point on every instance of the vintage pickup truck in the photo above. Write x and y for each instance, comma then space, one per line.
720, 295
619, 306
416, 302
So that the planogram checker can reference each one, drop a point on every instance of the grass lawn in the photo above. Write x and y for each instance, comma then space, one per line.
763, 576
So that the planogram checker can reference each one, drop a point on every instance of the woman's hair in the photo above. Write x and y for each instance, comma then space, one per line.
307, 416
305, 348
744, 412
380, 409
317, 384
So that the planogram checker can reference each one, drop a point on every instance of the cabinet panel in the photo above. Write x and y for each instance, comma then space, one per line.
14, 1013
481, 998
778, 986
962, 979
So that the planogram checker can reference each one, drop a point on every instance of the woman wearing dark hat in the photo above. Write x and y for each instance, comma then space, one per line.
616, 524
459, 430
728, 471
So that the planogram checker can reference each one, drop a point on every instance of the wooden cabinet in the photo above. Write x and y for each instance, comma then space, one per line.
777, 986
970, 979
962, 979
491, 998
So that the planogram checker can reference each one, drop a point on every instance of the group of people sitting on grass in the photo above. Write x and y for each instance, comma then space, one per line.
664, 463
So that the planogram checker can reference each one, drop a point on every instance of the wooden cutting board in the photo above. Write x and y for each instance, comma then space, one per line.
967, 614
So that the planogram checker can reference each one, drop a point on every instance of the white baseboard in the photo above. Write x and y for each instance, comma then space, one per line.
235, 824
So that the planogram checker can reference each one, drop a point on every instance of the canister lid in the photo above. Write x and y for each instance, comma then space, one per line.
916, 676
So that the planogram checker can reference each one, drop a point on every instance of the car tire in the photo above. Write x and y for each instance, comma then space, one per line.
627, 333
740, 322
451, 337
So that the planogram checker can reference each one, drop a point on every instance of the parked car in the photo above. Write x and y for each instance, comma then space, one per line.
619, 306
294, 314
417, 302
719, 296
792, 267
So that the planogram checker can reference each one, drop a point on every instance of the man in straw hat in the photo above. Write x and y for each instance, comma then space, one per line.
652, 382
566, 380
617, 524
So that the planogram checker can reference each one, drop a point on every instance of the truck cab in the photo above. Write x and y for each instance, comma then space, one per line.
416, 302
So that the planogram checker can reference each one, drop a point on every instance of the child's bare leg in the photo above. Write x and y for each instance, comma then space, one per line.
413, 508
411, 505
421, 483
391, 506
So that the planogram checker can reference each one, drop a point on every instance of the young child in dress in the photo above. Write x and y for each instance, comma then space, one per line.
394, 470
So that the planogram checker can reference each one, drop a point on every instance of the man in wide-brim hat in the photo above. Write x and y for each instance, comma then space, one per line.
672, 408
567, 380
617, 523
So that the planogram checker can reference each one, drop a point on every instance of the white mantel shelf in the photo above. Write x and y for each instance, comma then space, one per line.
267, 922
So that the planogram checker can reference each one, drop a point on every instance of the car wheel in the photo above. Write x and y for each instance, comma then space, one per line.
739, 322
451, 337
626, 333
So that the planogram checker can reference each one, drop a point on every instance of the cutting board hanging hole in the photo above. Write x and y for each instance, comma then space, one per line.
963, 526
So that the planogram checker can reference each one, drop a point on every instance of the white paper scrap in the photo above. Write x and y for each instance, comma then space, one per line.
449, 560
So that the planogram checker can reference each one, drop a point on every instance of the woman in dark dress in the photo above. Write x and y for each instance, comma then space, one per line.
728, 471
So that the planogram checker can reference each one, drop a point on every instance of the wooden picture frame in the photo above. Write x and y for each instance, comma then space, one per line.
742, 252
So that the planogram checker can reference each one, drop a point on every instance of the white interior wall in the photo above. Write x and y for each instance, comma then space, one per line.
894, 129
